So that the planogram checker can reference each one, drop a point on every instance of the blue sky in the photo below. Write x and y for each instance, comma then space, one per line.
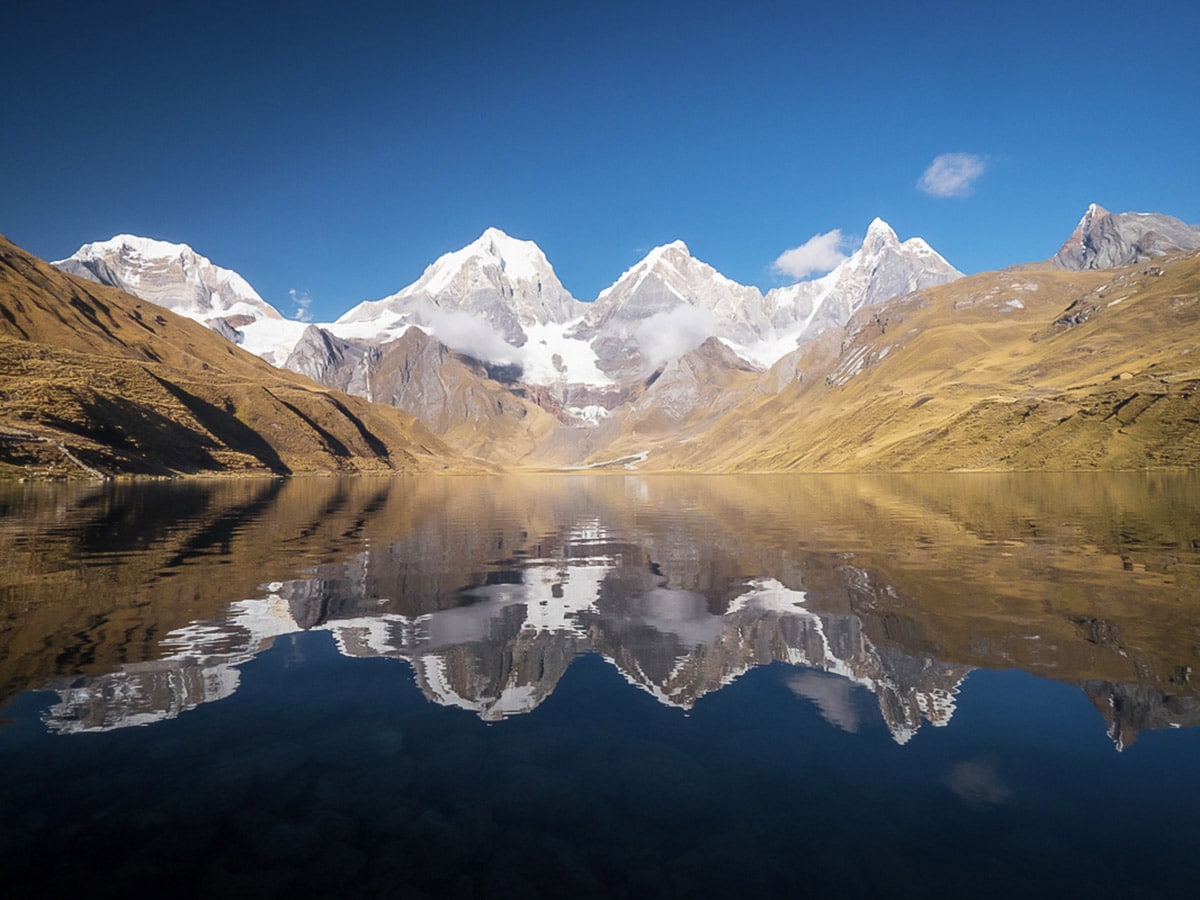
337, 148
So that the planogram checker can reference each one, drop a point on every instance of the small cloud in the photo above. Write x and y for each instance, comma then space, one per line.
833, 696
977, 783
820, 253
463, 332
952, 175
667, 335
303, 301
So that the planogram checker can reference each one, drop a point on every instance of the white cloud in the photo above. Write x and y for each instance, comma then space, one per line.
463, 332
977, 783
667, 335
819, 253
952, 175
834, 697
303, 301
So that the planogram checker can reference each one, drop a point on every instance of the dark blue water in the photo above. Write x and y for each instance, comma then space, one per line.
707, 713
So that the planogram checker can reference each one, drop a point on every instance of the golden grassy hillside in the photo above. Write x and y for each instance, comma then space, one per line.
1023, 369
95, 382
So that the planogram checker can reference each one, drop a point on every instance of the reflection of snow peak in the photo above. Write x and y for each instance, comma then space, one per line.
201, 668
502, 654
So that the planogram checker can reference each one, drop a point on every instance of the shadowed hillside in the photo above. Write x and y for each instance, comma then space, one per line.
96, 382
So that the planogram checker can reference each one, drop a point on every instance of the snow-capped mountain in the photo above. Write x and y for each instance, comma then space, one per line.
526, 351
669, 276
662, 307
497, 300
671, 302
1103, 239
502, 281
171, 275
880, 269
177, 277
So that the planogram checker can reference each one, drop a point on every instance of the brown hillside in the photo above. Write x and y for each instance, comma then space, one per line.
1019, 369
96, 382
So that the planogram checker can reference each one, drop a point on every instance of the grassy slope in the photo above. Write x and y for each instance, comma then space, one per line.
104, 381
980, 374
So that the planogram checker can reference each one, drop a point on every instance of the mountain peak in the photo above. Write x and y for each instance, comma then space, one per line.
677, 245
502, 280
504, 247
880, 228
669, 253
1102, 239
171, 275
1094, 211
143, 246
518, 260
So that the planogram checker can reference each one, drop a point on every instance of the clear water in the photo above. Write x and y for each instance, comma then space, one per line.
602, 686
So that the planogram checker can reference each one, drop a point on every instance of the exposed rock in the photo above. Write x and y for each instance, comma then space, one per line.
337, 363
1104, 240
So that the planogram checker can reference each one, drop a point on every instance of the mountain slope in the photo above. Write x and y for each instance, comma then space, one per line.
93, 380
1017, 369
455, 398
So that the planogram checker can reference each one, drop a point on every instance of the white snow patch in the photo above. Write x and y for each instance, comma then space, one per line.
544, 342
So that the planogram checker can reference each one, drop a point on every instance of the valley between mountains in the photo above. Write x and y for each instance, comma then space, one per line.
139, 357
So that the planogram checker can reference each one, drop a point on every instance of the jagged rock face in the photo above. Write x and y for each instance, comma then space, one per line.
1131, 708
171, 275
420, 374
879, 270
1103, 240
453, 395
177, 277
505, 282
336, 363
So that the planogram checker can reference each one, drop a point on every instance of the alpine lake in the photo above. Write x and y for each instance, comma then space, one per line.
614, 685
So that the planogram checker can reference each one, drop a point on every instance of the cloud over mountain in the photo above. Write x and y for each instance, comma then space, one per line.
666, 335
820, 253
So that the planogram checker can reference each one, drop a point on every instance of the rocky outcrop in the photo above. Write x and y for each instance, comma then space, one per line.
334, 362
1104, 240
1131, 708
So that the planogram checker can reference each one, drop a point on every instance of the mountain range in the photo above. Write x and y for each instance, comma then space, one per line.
894, 358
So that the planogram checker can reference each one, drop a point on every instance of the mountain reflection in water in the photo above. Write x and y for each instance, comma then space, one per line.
136, 603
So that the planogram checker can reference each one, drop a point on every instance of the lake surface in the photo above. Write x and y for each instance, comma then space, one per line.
975, 685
